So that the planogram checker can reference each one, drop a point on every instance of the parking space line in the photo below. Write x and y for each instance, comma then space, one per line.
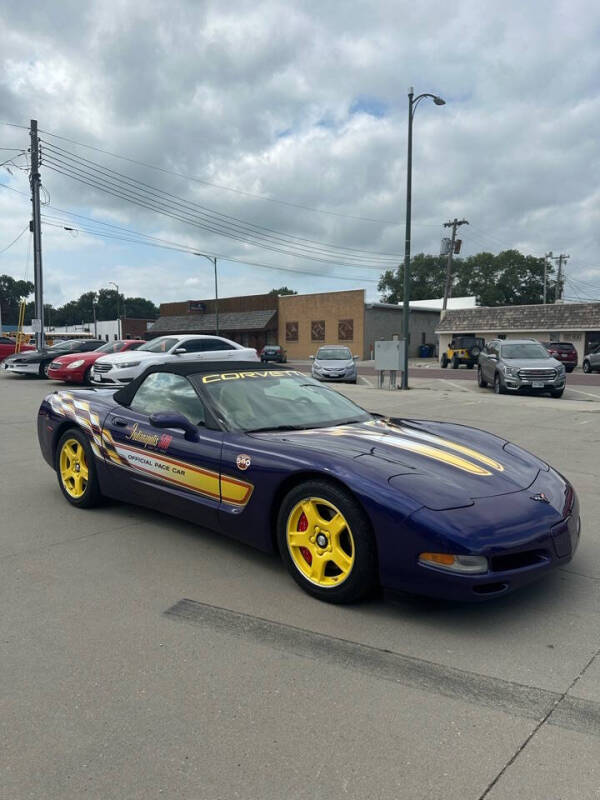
366, 380
588, 394
456, 385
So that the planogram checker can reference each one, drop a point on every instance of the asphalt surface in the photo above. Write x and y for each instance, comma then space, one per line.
143, 657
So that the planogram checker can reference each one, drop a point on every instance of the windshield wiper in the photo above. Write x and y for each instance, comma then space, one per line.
276, 428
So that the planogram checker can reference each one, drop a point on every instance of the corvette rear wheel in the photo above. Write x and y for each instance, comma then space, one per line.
76, 470
326, 542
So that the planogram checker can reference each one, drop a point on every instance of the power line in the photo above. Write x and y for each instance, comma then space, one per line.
65, 159
14, 241
199, 220
220, 186
192, 251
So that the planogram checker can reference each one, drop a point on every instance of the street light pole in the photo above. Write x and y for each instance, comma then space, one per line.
213, 261
412, 105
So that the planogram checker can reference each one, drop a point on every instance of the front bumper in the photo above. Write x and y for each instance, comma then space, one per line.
518, 384
108, 379
323, 376
66, 375
522, 539
23, 369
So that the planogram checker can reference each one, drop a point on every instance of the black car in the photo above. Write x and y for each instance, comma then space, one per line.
36, 362
273, 352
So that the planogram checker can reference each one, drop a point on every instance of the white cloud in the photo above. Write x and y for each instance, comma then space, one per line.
274, 98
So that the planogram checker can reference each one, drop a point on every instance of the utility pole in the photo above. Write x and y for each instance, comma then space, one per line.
456, 223
546, 258
95, 322
559, 277
36, 229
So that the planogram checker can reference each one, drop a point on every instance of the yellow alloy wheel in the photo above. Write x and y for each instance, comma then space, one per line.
320, 542
73, 468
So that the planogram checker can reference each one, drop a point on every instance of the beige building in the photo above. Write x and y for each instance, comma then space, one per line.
307, 321
578, 323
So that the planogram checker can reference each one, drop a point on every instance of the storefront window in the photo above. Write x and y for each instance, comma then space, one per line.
317, 330
346, 330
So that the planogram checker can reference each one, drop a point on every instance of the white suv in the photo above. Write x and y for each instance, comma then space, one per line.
119, 368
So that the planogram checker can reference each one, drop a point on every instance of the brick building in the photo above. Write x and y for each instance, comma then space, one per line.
250, 320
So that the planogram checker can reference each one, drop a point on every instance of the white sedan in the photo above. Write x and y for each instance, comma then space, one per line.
120, 368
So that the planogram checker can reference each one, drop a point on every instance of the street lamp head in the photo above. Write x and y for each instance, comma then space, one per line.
438, 101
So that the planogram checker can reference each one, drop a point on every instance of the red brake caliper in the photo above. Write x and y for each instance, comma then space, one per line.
303, 526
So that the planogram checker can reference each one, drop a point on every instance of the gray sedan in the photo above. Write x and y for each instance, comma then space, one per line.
334, 363
512, 365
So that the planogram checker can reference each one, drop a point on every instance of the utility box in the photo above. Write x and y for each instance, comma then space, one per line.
389, 356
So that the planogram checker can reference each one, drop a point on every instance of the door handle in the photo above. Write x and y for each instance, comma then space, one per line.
122, 423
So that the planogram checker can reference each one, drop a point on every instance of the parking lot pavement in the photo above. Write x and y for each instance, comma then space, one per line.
144, 657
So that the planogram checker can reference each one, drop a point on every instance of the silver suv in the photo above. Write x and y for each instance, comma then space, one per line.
511, 365
592, 360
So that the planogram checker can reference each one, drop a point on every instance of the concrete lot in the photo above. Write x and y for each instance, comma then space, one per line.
248, 688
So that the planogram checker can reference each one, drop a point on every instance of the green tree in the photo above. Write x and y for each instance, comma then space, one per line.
283, 290
11, 294
428, 274
508, 278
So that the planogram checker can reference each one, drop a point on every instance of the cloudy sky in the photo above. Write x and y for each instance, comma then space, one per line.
279, 132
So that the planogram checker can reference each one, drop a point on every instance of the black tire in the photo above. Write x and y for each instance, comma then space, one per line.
444, 363
362, 576
480, 379
556, 393
91, 494
455, 362
569, 369
87, 377
498, 387
587, 367
470, 365
44, 365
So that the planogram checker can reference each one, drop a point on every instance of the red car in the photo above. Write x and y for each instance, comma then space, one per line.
563, 351
76, 368
7, 347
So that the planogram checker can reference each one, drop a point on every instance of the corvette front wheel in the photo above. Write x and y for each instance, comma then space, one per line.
326, 543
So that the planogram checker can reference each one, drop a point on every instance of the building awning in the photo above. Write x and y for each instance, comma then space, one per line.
554, 317
234, 321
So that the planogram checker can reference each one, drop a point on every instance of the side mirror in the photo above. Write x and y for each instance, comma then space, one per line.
171, 419
355, 358
179, 350
312, 358
493, 356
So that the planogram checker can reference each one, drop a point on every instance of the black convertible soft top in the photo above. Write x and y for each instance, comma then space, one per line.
125, 395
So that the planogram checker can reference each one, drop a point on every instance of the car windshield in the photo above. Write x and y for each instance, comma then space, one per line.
527, 350
63, 345
334, 354
111, 347
161, 345
268, 400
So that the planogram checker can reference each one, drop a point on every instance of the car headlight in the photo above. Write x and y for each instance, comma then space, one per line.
466, 565
511, 372
128, 364
75, 364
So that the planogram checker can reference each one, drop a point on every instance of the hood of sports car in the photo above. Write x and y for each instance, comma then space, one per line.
441, 465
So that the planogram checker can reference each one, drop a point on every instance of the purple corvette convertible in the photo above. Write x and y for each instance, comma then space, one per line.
350, 500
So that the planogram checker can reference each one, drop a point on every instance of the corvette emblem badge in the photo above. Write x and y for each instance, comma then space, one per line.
540, 497
243, 461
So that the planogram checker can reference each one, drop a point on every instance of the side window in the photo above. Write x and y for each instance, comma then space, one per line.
192, 346
217, 344
164, 391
